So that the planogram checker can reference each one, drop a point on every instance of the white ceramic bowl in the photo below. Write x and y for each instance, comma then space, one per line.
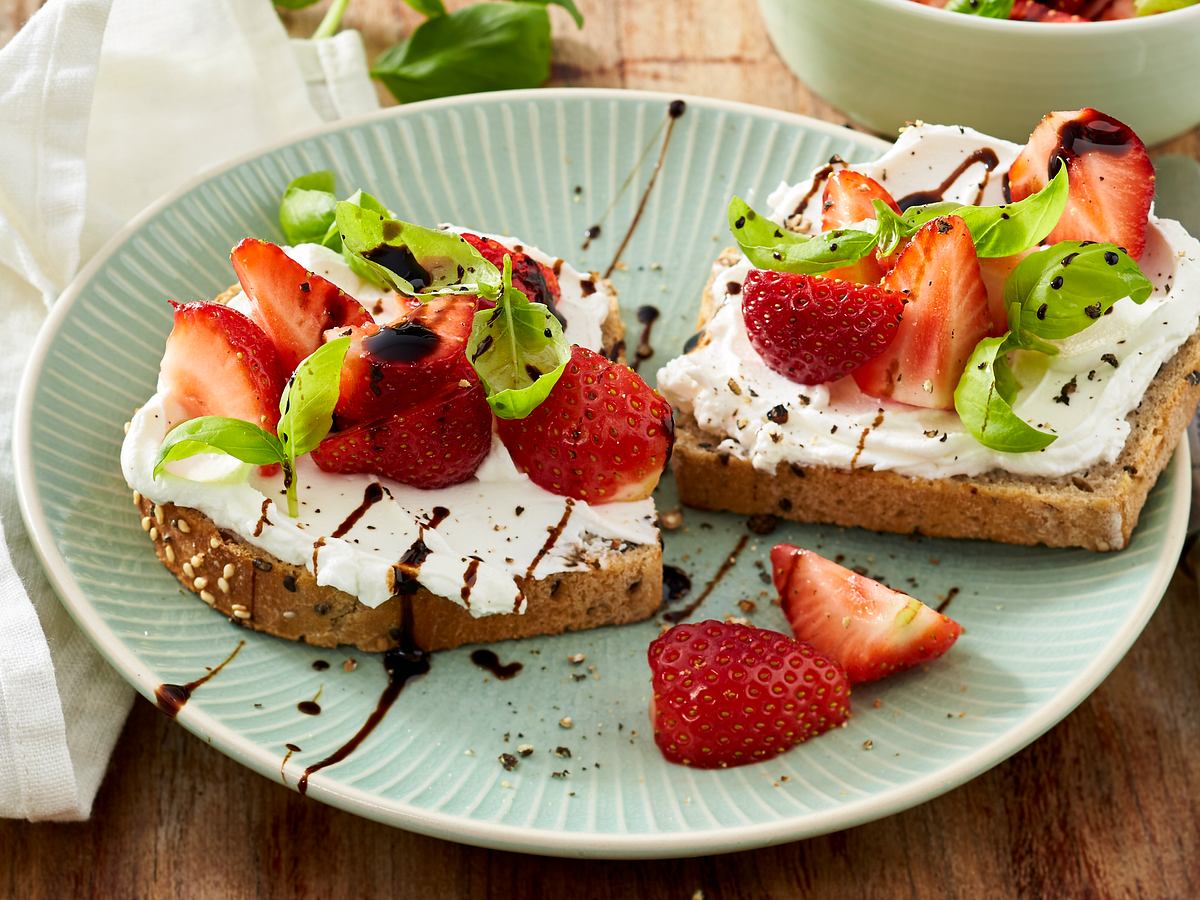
885, 62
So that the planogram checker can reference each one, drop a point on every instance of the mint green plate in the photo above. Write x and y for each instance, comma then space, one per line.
1043, 627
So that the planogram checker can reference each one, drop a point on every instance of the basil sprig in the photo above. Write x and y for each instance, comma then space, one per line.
306, 415
771, 246
1061, 290
518, 349
984, 400
1052, 294
1006, 229
396, 253
989, 9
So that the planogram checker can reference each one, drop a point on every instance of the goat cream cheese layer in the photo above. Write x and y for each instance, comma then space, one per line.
1112, 362
499, 516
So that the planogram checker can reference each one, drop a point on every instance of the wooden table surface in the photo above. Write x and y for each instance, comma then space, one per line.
1106, 804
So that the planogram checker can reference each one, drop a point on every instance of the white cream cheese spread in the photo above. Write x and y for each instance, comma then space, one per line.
353, 530
1112, 362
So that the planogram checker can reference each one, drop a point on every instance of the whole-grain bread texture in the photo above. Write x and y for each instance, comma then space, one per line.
1096, 508
257, 590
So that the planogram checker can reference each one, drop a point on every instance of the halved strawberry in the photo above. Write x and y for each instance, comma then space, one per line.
1111, 177
392, 367
848, 198
293, 306
728, 694
945, 317
219, 363
534, 280
813, 329
601, 435
431, 444
866, 627
995, 273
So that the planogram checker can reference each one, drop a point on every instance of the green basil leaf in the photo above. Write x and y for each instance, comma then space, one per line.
307, 207
771, 246
1061, 290
916, 216
890, 228
984, 399
428, 7
481, 47
569, 6
990, 9
306, 407
219, 434
444, 261
518, 349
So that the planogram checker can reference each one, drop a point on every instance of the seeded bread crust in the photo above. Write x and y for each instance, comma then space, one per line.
1096, 508
257, 590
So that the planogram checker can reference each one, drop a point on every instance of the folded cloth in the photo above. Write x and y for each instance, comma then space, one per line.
106, 105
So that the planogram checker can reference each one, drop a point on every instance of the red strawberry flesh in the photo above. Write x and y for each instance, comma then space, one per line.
1110, 173
536, 281
293, 306
945, 317
217, 362
433, 444
728, 694
866, 627
812, 329
601, 435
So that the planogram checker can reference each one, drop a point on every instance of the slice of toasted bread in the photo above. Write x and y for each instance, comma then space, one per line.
257, 590
1095, 508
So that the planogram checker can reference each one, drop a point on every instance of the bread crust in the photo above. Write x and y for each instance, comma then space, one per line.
257, 590
1096, 508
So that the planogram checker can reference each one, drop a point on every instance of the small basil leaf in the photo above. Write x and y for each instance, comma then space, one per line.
219, 434
428, 7
1150, 7
481, 47
984, 399
518, 350
1061, 290
306, 408
569, 6
771, 246
890, 228
416, 261
306, 210
989, 9
916, 216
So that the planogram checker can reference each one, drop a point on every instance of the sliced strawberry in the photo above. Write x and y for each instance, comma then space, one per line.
945, 317
1033, 11
727, 695
1119, 9
866, 627
390, 368
601, 435
432, 444
1110, 173
534, 280
812, 329
219, 363
848, 198
293, 306
995, 273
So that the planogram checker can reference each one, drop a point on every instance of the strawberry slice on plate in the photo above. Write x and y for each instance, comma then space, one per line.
293, 306
848, 198
536, 281
389, 368
219, 363
728, 694
866, 627
432, 444
1110, 173
945, 317
1035, 11
813, 329
601, 435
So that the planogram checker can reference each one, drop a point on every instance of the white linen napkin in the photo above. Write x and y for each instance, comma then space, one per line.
104, 106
